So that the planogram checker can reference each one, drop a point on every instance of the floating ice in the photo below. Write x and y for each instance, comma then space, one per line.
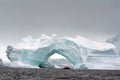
80, 52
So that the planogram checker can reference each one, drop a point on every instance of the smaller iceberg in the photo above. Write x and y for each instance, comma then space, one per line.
116, 41
1, 63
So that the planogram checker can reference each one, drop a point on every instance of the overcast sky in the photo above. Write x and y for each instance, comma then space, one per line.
93, 19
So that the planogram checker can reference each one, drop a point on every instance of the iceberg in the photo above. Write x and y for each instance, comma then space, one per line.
39, 56
79, 51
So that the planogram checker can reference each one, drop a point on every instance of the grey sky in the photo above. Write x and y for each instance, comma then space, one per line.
93, 19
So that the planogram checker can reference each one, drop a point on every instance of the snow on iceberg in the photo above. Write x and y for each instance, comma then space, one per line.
35, 52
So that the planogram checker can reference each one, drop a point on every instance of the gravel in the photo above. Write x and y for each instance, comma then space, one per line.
57, 74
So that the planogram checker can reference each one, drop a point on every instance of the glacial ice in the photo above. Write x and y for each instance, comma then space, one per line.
79, 51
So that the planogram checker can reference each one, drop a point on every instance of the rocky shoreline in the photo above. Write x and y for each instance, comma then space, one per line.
57, 74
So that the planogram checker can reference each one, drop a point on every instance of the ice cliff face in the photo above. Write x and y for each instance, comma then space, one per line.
35, 52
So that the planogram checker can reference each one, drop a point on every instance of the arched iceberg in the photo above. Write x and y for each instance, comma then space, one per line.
77, 50
39, 56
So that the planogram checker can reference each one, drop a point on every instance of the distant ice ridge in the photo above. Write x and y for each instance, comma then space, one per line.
79, 51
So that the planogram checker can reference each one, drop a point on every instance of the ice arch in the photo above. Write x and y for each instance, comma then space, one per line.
74, 59
39, 56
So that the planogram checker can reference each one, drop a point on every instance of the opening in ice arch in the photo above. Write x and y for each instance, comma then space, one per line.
59, 61
75, 59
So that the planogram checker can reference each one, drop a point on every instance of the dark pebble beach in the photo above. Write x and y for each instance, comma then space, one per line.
57, 74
